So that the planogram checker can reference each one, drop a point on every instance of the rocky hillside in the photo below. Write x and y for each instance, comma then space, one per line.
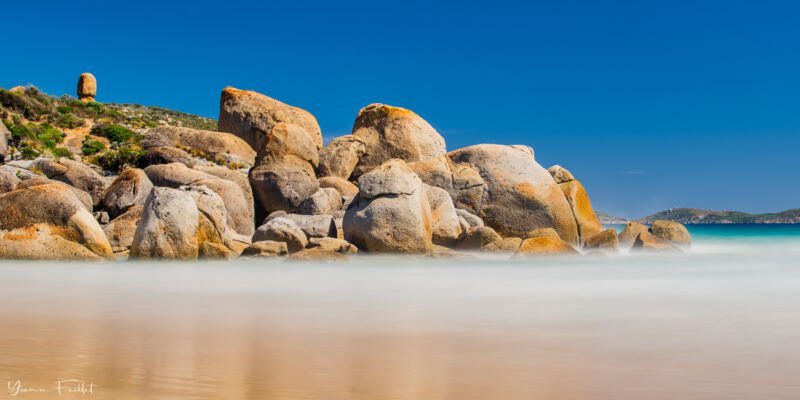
698, 216
82, 179
43, 125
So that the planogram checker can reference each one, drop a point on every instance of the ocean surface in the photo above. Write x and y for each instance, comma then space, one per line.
720, 322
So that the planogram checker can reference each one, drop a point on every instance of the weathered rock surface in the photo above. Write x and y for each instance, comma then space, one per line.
341, 156
392, 132
251, 116
519, 195
5, 136
41, 243
282, 229
629, 234
324, 201
343, 186
8, 181
317, 254
672, 232
585, 217
236, 177
266, 248
121, 230
505, 245
605, 240
73, 173
314, 225
38, 180
478, 238
131, 188
545, 241
462, 181
219, 147
391, 212
468, 220
55, 211
168, 155
213, 220
87, 87
333, 244
446, 228
284, 173
168, 227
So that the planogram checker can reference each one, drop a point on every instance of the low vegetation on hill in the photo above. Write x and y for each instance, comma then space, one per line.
41, 124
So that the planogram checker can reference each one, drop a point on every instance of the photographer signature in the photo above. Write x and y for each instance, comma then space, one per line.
61, 387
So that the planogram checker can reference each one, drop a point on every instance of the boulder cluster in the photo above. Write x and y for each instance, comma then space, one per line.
265, 185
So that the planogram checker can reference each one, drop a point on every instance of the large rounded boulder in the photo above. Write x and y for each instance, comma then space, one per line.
392, 132
518, 195
49, 210
168, 227
73, 173
251, 116
238, 203
391, 212
130, 188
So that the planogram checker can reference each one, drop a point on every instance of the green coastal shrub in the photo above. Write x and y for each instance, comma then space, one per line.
120, 158
28, 152
61, 152
69, 121
48, 135
114, 133
91, 146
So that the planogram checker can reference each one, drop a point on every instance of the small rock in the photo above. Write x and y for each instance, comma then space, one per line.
341, 156
446, 228
630, 233
266, 248
121, 230
478, 238
324, 201
8, 180
314, 225
333, 244
101, 217
343, 186
674, 232
647, 242
605, 240
317, 254
285, 230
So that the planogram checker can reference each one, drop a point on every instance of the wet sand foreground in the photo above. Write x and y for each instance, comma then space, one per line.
624, 328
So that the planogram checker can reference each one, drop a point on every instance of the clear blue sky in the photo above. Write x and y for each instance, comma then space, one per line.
652, 104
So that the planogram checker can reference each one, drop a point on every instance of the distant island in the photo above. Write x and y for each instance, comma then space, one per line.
700, 216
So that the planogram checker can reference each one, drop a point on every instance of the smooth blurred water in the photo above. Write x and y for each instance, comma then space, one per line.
720, 322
